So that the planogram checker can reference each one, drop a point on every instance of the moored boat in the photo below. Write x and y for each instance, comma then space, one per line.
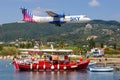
101, 69
50, 60
45, 65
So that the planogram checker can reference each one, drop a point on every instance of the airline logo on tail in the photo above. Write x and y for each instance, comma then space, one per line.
53, 18
27, 16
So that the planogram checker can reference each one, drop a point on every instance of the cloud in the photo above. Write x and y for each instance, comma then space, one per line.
94, 3
38, 11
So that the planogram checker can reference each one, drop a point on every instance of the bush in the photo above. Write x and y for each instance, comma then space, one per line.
9, 51
111, 51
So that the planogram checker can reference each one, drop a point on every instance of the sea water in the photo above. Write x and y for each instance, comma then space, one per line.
7, 72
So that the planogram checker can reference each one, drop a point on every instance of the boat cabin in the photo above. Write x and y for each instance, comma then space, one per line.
56, 54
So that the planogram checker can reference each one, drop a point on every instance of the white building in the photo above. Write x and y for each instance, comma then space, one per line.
97, 52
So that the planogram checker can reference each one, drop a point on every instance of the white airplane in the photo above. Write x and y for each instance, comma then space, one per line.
53, 18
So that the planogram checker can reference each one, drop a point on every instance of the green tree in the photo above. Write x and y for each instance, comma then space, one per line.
114, 46
61, 44
101, 45
77, 50
91, 43
10, 51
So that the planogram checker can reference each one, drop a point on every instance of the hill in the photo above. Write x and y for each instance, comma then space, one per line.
107, 32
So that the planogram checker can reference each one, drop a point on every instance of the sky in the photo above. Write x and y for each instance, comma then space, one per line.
94, 9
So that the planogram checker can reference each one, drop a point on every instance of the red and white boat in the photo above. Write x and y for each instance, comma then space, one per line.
48, 66
51, 65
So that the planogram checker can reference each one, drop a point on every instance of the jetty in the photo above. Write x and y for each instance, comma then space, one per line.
113, 62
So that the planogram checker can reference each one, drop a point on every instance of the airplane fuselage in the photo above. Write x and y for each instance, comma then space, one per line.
66, 19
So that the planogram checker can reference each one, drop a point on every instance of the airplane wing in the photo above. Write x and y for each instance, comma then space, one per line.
52, 14
56, 18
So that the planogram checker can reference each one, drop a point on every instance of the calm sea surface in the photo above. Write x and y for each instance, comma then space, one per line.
7, 72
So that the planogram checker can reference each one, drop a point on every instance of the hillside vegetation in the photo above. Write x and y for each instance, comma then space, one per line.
103, 32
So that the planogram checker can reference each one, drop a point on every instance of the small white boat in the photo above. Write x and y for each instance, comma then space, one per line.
101, 69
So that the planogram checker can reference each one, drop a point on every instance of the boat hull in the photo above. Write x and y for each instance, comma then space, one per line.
101, 69
48, 66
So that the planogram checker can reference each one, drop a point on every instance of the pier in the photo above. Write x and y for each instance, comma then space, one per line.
115, 65
112, 62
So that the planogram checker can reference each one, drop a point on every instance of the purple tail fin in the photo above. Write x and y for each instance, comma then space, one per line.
27, 16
